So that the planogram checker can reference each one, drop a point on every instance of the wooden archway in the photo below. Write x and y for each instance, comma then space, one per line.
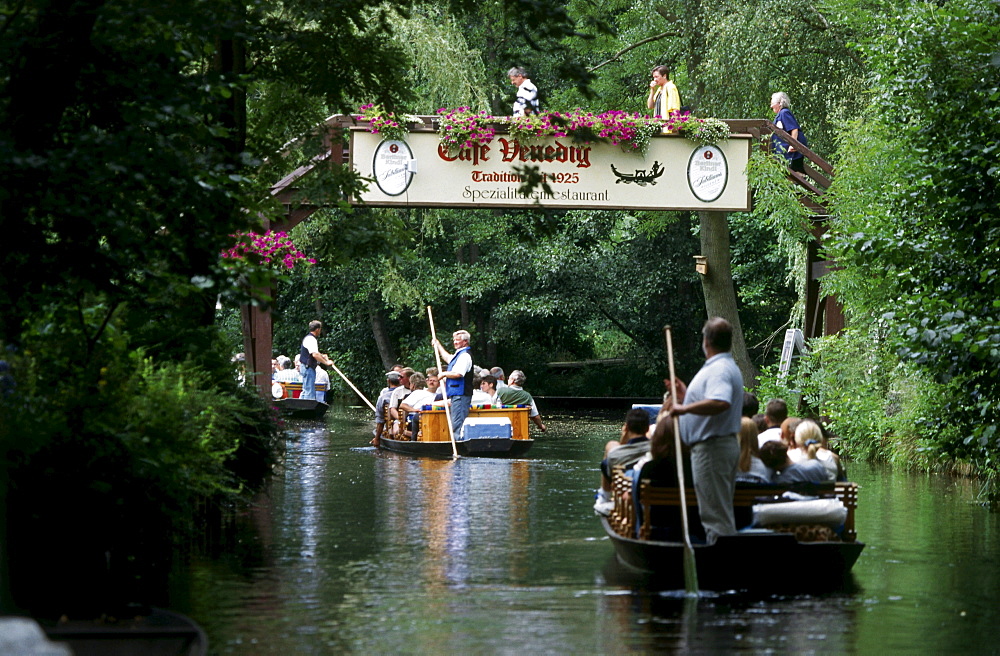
823, 315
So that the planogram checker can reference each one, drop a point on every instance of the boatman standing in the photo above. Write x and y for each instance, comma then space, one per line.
311, 357
710, 411
458, 377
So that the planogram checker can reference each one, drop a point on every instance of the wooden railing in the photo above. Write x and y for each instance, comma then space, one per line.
819, 172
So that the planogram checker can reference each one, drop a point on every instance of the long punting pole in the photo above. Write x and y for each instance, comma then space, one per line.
356, 390
690, 569
444, 387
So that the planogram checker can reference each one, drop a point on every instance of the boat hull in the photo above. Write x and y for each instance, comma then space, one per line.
481, 448
301, 408
159, 632
744, 562
434, 437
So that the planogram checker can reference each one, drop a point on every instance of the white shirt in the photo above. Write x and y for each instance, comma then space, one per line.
419, 398
773, 433
288, 376
527, 96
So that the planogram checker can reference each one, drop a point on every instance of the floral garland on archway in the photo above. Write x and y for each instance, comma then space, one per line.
462, 128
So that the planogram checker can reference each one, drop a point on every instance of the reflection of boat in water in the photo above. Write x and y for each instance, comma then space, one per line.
433, 439
742, 561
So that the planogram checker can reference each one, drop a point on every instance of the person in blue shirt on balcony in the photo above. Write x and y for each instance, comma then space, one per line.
785, 120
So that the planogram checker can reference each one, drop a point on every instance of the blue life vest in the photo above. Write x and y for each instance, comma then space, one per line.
459, 386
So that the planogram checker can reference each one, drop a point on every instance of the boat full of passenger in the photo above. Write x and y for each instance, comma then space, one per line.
497, 432
778, 525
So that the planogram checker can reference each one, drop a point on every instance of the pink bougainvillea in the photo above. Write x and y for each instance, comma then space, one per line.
272, 248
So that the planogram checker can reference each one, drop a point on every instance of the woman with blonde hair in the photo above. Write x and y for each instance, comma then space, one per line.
811, 444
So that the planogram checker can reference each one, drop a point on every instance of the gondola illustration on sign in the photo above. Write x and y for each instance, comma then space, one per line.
641, 177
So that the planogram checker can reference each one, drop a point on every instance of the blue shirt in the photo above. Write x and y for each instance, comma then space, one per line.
719, 380
807, 471
787, 122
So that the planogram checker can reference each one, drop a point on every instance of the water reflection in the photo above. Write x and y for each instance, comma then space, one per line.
358, 550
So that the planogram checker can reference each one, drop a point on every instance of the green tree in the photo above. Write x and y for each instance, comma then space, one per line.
917, 203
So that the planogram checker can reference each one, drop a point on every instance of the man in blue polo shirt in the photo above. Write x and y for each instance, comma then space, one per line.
710, 410
457, 378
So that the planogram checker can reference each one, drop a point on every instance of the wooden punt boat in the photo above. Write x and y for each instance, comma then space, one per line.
301, 408
157, 632
757, 560
434, 439
288, 403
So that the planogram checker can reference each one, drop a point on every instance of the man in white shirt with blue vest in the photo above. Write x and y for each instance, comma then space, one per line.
458, 378
710, 410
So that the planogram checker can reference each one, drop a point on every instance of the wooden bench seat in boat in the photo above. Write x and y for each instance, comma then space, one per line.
653, 497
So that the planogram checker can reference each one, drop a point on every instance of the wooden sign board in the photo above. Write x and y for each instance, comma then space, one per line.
675, 174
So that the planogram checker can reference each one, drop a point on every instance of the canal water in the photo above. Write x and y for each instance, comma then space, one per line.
358, 551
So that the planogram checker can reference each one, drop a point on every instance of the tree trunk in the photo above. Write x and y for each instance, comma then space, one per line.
463, 300
491, 344
382, 340
717, 284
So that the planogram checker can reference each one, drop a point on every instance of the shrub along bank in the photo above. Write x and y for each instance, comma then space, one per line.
107, 455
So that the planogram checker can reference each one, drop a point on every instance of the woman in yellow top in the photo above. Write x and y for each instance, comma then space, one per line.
664, 98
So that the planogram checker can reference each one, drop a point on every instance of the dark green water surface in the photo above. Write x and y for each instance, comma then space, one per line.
358, 551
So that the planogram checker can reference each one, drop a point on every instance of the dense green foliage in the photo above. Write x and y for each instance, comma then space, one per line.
137, 138
915, 238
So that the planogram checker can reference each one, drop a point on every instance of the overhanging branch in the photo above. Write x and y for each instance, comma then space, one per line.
635, 45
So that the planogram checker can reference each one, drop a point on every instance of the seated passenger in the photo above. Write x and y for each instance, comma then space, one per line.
501, 378
788, 435
400, 393
514, 394
418, 397
775, 455
479, 397
433, 381
661, 470
489, 386
751, 469
775, 413
322, 381
288, 374
382, 404
812, 445
624, 452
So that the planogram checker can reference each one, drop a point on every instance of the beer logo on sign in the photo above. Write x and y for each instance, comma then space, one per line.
391, 167
707, 173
